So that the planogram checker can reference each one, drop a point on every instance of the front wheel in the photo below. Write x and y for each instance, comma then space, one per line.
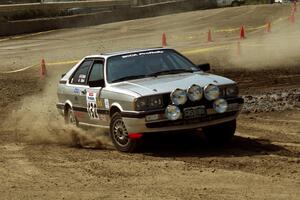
220, 134
119, 135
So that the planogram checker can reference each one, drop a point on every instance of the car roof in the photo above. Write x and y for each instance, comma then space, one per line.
107, 55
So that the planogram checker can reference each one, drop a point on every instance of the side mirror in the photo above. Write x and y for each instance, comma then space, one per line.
204, 67
98, 83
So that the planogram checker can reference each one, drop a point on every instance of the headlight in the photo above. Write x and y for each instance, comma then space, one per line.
172, 112
232, 90
149, 103
178, 97
220, 105
211, 92
195, 93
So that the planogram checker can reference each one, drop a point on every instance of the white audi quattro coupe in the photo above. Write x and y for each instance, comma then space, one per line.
153, 90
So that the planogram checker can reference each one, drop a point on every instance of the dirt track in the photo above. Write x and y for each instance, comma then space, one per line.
38, 162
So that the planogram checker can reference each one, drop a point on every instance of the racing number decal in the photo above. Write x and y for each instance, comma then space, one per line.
92, 111
91, 99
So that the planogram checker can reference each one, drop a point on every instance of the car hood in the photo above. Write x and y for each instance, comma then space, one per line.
168, 83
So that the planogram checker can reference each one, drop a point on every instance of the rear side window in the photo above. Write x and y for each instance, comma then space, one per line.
80, 76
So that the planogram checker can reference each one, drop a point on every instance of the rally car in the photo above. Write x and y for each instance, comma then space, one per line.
129, 94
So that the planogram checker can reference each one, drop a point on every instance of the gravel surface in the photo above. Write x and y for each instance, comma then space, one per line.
272, 100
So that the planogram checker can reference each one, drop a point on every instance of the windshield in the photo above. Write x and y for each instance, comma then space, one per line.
146, 64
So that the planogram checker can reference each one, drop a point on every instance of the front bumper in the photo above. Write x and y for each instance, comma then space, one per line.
137, 123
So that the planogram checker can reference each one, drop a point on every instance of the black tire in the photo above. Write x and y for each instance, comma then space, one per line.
119, 135
71, 119
220, 134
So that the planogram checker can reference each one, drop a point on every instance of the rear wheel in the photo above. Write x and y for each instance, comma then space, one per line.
72, 120
220, 134
119, 135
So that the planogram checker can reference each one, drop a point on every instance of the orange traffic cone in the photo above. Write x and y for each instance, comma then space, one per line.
43, 70
209, 36
164, 40
268, 27
292, 17
242, 33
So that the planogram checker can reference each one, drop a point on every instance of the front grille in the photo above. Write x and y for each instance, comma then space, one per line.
190, 121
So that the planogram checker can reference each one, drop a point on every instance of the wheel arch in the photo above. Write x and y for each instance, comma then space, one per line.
115, 108
68, 105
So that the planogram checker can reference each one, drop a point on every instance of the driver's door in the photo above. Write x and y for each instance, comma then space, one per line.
93, 103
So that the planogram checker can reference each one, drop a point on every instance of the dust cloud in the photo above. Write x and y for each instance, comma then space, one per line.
36, 121
277, 49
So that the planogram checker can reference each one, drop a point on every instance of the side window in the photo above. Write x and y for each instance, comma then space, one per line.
96, 73
81, 73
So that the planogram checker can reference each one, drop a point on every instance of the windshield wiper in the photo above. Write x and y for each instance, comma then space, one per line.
173, 71
126, 78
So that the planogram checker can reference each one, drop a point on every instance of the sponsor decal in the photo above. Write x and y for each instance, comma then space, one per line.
91, 98
81, 78
142, 54
106, 103
100, 103
76, 90
150, 52
92, 105
130, 55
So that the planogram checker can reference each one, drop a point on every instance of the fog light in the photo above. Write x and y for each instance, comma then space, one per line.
195, 93
220, 105
211, 92
178, 97
172, 112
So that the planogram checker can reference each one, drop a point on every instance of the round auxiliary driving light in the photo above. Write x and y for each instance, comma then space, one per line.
220, 105
178, 97
172, 112
211, 92
195, 93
